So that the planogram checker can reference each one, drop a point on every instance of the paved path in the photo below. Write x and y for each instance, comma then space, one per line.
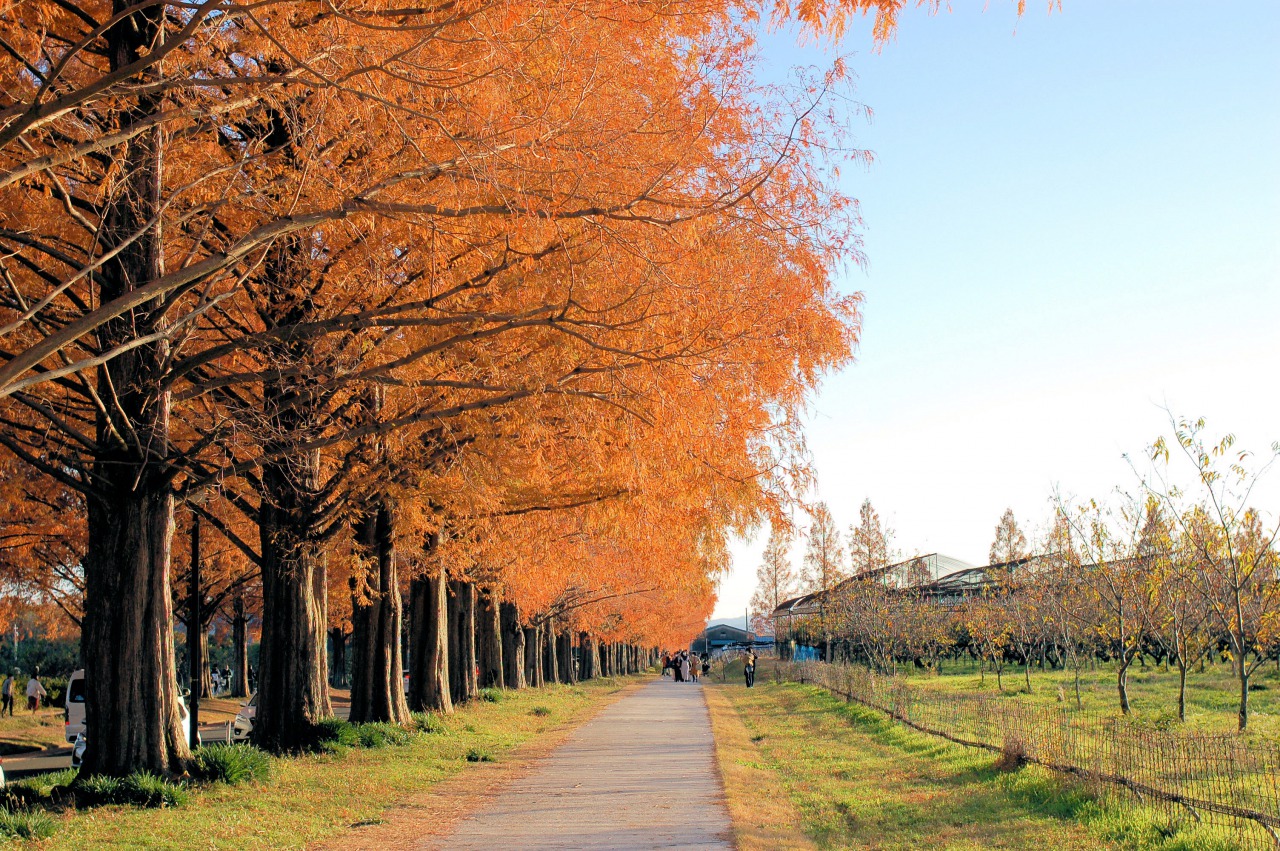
640, 775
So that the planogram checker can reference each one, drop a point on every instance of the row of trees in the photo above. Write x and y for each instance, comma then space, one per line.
1173, 573
364, 299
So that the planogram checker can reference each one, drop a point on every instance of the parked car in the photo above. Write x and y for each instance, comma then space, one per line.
73, 706
80, 742
243, 725
77, 750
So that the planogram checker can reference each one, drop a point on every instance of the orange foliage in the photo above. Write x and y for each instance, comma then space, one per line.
578, 254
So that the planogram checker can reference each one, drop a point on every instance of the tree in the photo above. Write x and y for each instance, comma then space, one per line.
1125, 594
226, 223
823, 564
776, 579
1010, 544
1230, 549
1073, 608
869, 542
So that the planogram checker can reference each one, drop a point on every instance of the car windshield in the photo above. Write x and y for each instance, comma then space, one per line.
75, 691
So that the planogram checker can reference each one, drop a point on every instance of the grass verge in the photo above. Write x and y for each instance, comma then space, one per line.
762, 814
317, 796
859, 780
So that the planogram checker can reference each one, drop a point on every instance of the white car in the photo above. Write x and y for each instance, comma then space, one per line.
243, 725
73, 706
80, 741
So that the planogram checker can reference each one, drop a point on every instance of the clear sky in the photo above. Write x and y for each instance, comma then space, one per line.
1073, 219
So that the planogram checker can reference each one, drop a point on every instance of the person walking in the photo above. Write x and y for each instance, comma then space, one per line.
6, 694
695, 667
749, 668
684, 667
35, 691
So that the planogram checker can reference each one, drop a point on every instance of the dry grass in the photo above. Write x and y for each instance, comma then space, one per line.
28, 732
763, 816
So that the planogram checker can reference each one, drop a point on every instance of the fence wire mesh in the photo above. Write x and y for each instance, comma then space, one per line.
1224, 781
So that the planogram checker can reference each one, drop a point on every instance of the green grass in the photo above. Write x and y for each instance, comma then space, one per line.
1212, 696
861, 781
320, 795
26, 824
230, 763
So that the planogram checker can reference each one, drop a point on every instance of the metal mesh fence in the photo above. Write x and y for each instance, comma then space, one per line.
1224, 781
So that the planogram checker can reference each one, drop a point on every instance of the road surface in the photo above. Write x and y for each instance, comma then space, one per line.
640, 775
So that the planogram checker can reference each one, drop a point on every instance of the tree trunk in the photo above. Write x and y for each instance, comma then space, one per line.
1182, 691
512, 645
239, 648
131, 680
292, 691
1122, 686
377, 681
550, 671
462, 640
1079, 702
338, 657
131, 683
293, 688
429, 644
489, 641
564, 657
1244, 696
590, 668
533, 656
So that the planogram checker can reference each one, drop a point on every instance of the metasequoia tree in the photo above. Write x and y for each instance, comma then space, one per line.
775, 577
1010, 544
869, 541
253, 214
823, 567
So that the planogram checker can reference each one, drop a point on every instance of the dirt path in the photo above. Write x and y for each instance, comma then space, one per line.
640, 775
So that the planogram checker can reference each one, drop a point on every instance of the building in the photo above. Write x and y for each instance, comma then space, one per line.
918, 574
723, 636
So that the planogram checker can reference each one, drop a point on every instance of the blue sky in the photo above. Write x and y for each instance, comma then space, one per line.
1073, 219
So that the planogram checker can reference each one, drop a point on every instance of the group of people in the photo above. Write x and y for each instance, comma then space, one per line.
684, 666
35, 692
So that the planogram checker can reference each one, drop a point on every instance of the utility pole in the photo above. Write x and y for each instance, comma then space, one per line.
193, 631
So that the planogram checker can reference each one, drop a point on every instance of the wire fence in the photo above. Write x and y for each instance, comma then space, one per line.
1225, 782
